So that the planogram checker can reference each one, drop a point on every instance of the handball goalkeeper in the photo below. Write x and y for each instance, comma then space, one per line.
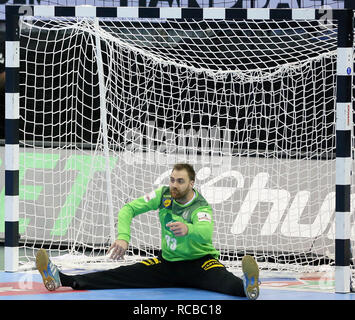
187, 258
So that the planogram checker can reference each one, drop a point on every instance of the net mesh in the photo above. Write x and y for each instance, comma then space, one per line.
251, 104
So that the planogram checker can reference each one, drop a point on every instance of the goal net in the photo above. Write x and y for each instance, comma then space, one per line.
108, 106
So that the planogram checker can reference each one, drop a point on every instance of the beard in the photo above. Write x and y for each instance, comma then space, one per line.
176, 194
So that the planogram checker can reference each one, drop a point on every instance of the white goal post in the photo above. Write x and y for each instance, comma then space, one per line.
101, 102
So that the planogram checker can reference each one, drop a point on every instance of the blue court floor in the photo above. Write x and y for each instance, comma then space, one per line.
29, 286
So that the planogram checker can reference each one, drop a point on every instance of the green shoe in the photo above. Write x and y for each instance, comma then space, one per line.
48, 270
250, 277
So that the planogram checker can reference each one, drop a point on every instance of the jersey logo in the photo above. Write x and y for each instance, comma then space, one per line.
204, 216
167, 202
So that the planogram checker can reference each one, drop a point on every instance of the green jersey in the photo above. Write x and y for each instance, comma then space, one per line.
196, 214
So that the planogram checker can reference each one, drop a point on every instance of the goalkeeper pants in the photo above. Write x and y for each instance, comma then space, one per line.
205, 273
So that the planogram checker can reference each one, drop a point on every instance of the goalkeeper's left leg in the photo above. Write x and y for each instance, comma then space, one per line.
209, 273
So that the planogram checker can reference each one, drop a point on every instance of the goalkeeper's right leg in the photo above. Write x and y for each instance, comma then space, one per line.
150, 273
48, 270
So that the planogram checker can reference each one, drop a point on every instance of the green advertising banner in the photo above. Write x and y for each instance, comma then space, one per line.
63, 196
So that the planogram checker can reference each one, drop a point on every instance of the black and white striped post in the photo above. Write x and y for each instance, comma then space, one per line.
12, 141
344, 130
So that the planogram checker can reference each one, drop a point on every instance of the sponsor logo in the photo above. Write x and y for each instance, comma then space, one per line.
204, 216
167, 203
212, 263
286, 210
29, 287
27, 284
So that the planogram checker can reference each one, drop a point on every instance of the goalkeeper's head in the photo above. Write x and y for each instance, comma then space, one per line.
182, 179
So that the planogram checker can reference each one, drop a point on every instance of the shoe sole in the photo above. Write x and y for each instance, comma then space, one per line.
42, 266
251, 270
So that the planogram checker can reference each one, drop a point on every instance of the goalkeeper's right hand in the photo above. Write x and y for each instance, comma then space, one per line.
118, 249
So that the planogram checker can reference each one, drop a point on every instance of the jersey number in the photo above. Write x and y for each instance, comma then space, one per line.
171, 242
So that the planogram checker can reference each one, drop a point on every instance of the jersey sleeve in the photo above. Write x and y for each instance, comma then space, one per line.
148, 202
201, 228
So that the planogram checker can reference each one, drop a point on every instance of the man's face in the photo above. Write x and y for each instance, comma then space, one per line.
180, 184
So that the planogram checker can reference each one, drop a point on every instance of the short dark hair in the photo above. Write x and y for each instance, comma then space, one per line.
185, 166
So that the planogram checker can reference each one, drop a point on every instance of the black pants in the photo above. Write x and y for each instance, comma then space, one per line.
204, 273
